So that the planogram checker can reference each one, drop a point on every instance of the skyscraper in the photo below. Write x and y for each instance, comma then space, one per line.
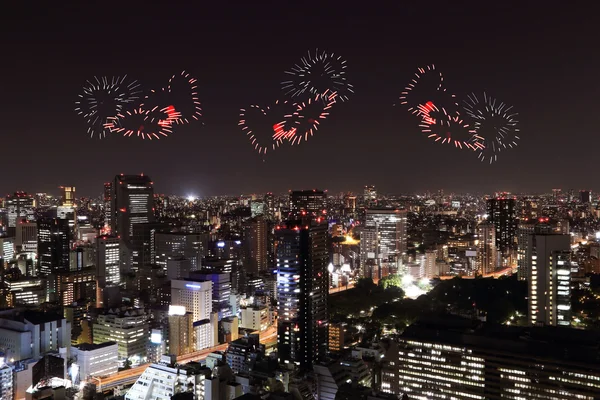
370, 194
132, 202
302, 289
502, 213
585, 196
487, 253
255, 245
269, 202
549, 279
389, 226
107, 205
68, 196
54, 237
19, 205
307, 202
195, 296
108, 263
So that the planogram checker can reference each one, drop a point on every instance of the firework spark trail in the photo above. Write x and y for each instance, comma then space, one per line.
310, 115
266, 127
181, 93
139, 122
103, 99
493, 121
427, 85
317, 74
448, 128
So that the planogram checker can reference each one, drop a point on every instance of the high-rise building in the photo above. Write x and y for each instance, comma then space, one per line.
131, 203
68, 196
128, 328
108, 260
302, 290
107, 205
54, 236
388, 226
535, 226
269, 203
370, 194
257, 207
221, 290
177, 245
585, 196
18, 206
6, 381
26, 236
255, 245
181, 332
466, 360
195, 296
549, 279
502, 213
487, 253
308, 202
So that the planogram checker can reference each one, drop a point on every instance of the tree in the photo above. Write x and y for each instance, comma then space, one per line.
365, 284
390, 281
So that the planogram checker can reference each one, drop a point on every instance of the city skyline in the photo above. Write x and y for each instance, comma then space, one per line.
532, 58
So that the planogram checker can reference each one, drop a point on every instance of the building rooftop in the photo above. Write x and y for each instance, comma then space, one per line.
90, 347
545, 342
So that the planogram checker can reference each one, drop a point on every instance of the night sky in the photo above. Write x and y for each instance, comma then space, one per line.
538, 56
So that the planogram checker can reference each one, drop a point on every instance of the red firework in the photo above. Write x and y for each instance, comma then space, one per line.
310, 113
182, 93
267, 127
427, 84
443, 127
141, 123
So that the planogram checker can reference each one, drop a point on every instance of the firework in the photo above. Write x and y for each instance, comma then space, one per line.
444, 127
266, 127
494, 122
141, 123
102, 99
316, 74
427, 86
181, 93
310, 114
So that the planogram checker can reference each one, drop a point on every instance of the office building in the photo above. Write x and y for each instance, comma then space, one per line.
96, 360
179, 245
255, 245
385, 238
502, 212
302, 289
221, 291
128, 328
370, 194
54, 237
6, 381
106, 198
585, 196
163, 381
68, 196
487, 254
131, 203
269, 204
336, 337
32, 334
476, 361
195, 296
108, 261
181, 332
307, 202
549, 279
26, 235
19, 206
541, 225
255, 318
